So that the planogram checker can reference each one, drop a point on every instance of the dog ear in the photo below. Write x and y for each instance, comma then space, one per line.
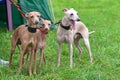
65, 9
38, 13
50, 22
72, 8
41, 19
27, 15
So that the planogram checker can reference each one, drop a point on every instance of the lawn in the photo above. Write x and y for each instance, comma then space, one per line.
99, 15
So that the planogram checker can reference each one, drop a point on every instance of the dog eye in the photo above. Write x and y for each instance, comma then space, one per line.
32, 16
71, 14
43, 25
38, 16
49, 24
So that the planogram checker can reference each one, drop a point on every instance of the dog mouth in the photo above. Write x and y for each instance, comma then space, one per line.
43, 30
72, 23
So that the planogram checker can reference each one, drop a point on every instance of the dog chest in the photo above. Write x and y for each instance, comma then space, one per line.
31, 40
42, 44
65, 36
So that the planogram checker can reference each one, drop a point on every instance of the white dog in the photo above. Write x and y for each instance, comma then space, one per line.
70, 30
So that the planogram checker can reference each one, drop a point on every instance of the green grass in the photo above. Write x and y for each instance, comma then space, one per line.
99, 15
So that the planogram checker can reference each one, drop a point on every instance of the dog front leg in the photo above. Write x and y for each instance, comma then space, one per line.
59, 53
26, 60
71, 54
44, 58
31, 59
41, 56
35, 61
21, 61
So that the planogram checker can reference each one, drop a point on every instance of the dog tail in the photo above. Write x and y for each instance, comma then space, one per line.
91, 32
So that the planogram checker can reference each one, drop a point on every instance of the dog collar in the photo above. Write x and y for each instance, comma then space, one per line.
65, 27
42, 30
30, 29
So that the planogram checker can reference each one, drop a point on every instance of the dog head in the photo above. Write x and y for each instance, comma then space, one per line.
71, 15
45, 26
33, 17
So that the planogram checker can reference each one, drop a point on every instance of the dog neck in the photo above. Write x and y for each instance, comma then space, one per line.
65, 23
65, 27
31, 29
32, 25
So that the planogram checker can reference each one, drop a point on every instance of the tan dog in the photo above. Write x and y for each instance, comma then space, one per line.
27, 37
70, 30
41, 39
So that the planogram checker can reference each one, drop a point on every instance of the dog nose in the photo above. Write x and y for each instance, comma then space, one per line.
36, 22
78, 19
46, 29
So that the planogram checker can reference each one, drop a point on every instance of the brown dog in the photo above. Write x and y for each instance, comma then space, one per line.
27, 36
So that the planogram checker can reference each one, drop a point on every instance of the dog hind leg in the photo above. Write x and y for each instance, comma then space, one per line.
11, 54
13, 43
76, 42
87, 44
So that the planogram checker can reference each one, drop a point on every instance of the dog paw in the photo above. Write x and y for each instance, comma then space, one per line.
34, 72
30, 74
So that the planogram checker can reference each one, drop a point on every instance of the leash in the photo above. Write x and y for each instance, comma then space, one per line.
21, 12
29, 10
58, 22
18, 8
